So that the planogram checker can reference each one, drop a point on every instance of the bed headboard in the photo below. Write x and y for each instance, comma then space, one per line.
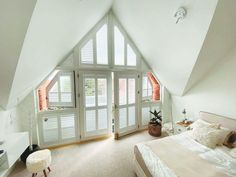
224, 121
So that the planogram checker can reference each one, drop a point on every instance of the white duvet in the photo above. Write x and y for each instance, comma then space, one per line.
219, 157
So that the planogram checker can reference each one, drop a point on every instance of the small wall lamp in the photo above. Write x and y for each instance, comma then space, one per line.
180, 14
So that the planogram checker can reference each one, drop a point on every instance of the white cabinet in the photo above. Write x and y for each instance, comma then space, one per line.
14, 145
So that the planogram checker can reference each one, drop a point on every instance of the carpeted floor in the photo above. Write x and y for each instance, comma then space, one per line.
104, 158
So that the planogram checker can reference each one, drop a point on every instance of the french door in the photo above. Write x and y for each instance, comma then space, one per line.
125, 99
96, 103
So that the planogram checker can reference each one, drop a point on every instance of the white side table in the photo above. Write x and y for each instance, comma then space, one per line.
180, 127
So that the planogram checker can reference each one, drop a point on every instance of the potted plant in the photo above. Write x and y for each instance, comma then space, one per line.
155, 124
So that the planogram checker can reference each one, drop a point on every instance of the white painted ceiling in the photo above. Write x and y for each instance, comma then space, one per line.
171, 49
220, 40
175, 51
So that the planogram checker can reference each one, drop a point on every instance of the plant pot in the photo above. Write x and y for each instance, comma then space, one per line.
29, 151
154, 130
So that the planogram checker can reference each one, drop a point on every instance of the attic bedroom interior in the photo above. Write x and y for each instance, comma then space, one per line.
118, 88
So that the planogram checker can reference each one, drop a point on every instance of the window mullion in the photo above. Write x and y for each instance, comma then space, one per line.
59, 89
125, 50
94, 50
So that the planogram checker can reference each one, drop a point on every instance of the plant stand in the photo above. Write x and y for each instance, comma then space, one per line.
154, 130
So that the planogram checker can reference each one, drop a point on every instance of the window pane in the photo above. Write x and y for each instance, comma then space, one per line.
102, 92
119, 48
123, 118
89, 92
50, 128
149, 88
90, 120
144, 86
102, 119
145, 115
132, 116
53, 93
131, 56
65, 86
68, 126
131, 97
87, 53
122, 91
101, 37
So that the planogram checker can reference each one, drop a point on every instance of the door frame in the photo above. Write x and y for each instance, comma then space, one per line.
126, 74
92, 135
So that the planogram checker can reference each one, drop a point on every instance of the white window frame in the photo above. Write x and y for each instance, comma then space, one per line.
58, 114
148, 97
96, 75
57, 79
92, 36
127, 41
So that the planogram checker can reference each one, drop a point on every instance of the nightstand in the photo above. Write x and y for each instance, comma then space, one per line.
181, 126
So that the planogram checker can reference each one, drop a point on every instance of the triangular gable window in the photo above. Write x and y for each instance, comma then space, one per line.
94, 50
124, 54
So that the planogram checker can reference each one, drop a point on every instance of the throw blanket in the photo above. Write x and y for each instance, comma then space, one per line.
180, 156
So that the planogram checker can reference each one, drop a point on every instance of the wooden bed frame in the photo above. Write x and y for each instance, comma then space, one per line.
206, 116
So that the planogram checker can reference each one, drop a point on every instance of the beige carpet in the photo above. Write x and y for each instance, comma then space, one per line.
104, 158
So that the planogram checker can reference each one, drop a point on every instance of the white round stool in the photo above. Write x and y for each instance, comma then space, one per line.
39, 161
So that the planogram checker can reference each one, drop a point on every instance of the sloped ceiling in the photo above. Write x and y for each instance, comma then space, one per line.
14, 21
171, 49
220, 40
176, 52
56, 26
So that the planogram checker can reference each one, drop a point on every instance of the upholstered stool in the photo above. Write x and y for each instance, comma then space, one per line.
39, 161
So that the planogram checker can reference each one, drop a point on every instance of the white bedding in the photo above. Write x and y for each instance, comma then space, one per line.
219, 157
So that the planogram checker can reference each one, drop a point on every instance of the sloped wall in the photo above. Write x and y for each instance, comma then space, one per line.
215, 93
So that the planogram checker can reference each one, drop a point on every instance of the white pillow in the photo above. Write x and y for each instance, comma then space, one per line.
207, 136
201, 123
233, 153
223, 135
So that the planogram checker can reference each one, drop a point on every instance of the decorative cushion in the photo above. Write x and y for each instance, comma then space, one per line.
233, 153
201, 123
207, 136
38, 161
230, 140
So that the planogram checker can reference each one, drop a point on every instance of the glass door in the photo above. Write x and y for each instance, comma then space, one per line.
125, 94
96, 104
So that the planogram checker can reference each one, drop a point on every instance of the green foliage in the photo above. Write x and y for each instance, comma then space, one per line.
157, 119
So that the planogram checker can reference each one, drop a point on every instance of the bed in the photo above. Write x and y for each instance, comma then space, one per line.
185, 157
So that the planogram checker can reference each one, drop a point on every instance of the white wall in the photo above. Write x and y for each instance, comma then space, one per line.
215, 93
27, 112
17, 119
166, 105
9, 122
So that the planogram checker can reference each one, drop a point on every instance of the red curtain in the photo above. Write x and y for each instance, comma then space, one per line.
155, 87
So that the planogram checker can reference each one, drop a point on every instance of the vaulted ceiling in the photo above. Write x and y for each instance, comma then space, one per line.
36, 36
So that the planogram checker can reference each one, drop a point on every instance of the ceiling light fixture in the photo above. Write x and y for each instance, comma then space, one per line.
180, 14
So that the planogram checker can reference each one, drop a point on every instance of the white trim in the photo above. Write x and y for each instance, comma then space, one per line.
127, 129
96, 75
